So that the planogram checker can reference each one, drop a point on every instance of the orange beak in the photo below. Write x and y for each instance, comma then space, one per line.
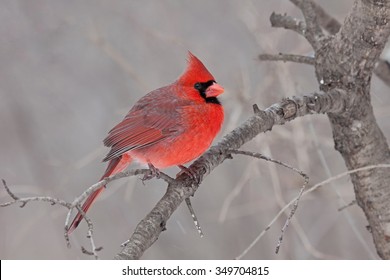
214, 90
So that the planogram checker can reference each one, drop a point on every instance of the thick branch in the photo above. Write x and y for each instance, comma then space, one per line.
149, 229
332, 25
327, 22
347, 60
313, 32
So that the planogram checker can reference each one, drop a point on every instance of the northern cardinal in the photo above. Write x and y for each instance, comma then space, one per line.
169, 126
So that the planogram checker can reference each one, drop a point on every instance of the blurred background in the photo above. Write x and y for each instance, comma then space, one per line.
70, 70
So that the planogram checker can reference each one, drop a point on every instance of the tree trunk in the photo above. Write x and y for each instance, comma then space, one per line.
347, 61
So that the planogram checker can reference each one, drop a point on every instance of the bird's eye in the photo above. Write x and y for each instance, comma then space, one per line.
198, 86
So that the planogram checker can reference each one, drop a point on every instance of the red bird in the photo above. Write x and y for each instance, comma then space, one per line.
169, 126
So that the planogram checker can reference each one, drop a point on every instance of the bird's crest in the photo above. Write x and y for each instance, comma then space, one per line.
195, 72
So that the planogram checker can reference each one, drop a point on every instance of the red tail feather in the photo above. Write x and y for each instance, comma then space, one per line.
116, 165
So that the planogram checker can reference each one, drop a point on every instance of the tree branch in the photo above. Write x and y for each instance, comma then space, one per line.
344, 63
332, 25
313, 32
311, 189
77, 201
149, 229
287, 57
295, 205
323, 19
288, 22
346, 60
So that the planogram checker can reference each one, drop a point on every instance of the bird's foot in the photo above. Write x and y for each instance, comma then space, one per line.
154, 172
189, 172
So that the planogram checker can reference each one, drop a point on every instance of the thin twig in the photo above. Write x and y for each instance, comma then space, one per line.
296, 202
90, 236
25, 200
288, 57
353, 202
67, 219
77, 201
260, 156
292, 212
242, 182
313, 188
91, 240
194, 218
105, 181
11, 194
93, 253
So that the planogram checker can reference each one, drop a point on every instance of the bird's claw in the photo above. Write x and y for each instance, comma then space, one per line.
153, 172
189, 172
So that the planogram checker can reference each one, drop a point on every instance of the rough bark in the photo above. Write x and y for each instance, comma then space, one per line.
346, 61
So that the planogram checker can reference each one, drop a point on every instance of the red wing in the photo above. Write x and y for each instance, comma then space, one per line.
138, 130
